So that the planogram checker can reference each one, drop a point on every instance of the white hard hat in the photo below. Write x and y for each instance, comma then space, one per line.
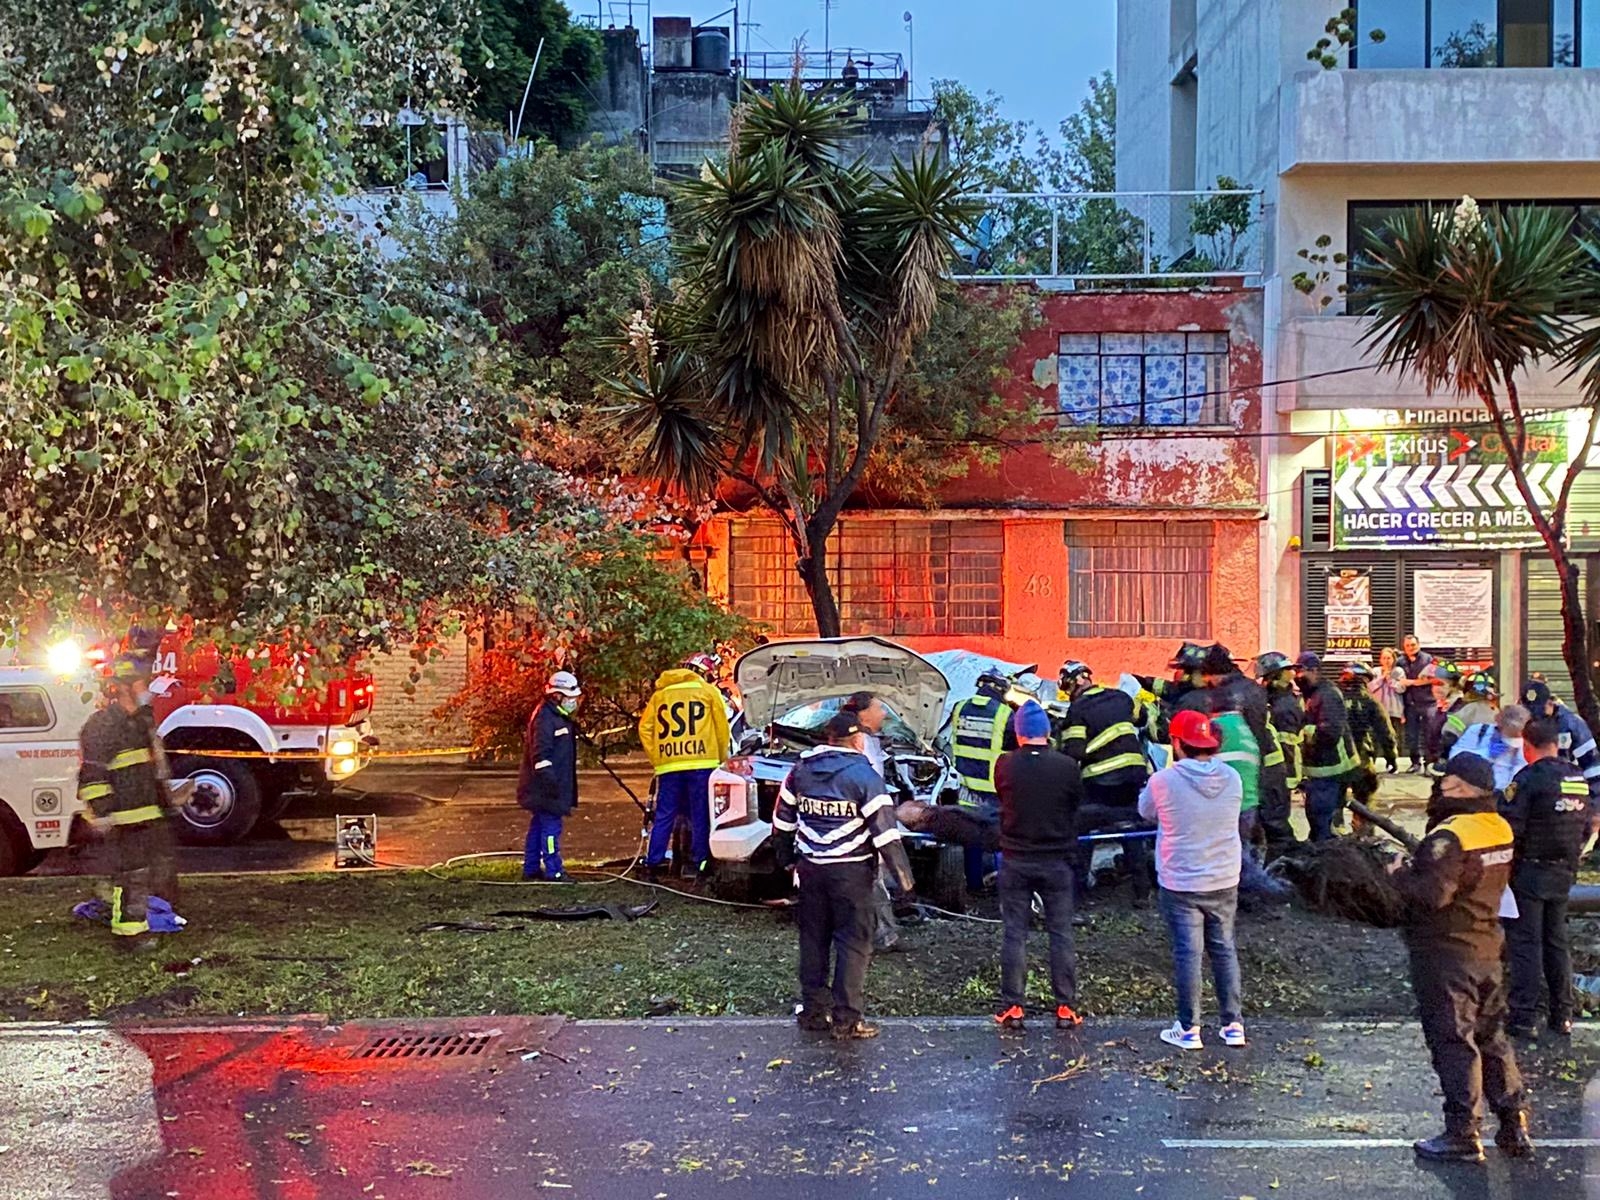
564, 683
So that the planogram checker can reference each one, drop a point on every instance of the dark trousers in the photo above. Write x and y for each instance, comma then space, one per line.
141, 861
1416, 735
1274, 816
836, 918
982, 807
541, 849
1537, 940
1050, 876
1462, 1004
679, 792
1324, 803
1196, 919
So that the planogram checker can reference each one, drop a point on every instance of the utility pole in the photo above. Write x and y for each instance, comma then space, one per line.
911, 60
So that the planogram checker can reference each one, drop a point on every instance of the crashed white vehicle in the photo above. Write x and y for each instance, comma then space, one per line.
790, 690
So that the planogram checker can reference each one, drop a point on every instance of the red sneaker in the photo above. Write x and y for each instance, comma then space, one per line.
1011, 1018
1066, 1018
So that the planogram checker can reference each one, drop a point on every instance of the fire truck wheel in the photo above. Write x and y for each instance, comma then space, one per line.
225, 804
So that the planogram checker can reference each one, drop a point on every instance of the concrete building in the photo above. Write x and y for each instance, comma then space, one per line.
673, 97
1379, 496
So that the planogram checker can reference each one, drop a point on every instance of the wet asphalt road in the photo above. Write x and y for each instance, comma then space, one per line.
701, 1110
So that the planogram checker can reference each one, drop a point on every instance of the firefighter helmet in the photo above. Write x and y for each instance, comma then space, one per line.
1217, 660
707, 666
1189, 657
1448, 671
1271, 662
1480, 683
1355, 670
1072, 670
993, 684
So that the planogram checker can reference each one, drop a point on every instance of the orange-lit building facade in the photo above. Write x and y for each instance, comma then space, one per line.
1111, 549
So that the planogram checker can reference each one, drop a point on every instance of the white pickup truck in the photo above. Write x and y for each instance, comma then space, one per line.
41, 713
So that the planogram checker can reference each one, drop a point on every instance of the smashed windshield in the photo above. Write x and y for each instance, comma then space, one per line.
813, 716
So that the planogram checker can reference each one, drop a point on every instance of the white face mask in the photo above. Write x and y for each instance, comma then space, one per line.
1513, 743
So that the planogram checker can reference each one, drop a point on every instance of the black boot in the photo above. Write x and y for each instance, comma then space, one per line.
1458, 1143
1512, 1137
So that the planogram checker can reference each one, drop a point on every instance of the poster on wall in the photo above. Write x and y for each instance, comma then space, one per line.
1348, 614
1453, 609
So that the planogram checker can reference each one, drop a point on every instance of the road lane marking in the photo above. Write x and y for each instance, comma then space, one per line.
1342, 1143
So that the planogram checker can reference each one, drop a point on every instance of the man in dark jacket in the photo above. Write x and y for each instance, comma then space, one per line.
1417, 700
547, 785
1547, 807
123, 779
1574, 739
1102, 736
1040, 791
1369, 724
1453, 889
834, 813
1326, 753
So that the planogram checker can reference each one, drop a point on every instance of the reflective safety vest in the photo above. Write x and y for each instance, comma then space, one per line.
1240, 751
977, 739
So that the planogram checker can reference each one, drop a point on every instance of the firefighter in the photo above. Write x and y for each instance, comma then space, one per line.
1476, 706
1176, 692
1447, 699
980, 732
1547, 807
1287, 716
1327, 752
1452, 889
685, 734
1369, 724
1229, 691
124, 782
547, 785
1102, 735
835, 818
1573, 739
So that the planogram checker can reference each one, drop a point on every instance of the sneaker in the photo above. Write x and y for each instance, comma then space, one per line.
1233, 1035
813, 1022
859, 1032
1183, 1039
558, 877
533, 877
1066, 1018
1011, 1018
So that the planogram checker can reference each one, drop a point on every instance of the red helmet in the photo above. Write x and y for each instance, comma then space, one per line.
707, 666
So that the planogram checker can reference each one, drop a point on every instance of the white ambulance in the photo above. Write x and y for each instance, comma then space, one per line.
41, 713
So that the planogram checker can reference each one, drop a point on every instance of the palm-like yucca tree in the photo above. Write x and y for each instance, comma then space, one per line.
806, 282
1465, 301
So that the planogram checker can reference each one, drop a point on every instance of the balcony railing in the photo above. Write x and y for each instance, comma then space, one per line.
1062, 239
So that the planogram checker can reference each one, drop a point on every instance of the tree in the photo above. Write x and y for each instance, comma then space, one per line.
807, 286
214, 401
499, 54
1464, 302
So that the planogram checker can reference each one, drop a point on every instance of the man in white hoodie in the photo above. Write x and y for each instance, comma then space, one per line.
1195, 804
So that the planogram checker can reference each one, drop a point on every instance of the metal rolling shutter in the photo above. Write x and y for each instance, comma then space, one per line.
1386, 614
1541, 616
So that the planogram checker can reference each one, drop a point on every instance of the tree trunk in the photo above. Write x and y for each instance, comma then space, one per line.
1575, 642
813, 568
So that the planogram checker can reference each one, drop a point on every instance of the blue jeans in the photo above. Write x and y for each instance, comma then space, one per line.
1193, 918
1324, 799
676, 792
985, 807
541, 850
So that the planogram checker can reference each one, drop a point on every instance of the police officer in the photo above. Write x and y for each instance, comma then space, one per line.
124, 781
1327, 753
1287, 716
980, 732
1453, 890
1573, 738
1369, 724
1102, 735
1547, 807
834, 814
684, 730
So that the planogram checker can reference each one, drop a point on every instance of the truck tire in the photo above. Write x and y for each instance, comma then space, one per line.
941, 878
225, 805
16, 853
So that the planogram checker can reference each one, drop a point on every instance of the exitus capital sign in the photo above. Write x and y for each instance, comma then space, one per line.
1439, 477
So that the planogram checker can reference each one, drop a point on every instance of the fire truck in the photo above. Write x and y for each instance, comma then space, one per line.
281, 734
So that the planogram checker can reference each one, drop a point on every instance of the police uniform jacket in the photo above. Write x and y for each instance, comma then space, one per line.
1547, 807
1458, 875
838, 810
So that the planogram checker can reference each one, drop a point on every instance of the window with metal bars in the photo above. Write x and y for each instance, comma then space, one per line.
896, 578
1142, 378
1139, 579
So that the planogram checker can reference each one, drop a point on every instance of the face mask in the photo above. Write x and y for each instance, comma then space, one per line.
567, 707
1513, 743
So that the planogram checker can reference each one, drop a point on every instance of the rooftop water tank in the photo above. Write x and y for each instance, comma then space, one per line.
712, 50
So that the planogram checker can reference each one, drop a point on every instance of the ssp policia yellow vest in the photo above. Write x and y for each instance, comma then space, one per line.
685, 725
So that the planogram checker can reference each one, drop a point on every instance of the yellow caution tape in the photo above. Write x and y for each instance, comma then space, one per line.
323, 755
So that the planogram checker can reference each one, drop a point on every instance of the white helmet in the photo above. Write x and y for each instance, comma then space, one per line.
564, 683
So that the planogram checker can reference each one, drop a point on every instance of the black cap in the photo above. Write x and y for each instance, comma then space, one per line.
1536, 694
1472, 769
1308, 662
843, 725
1218, 661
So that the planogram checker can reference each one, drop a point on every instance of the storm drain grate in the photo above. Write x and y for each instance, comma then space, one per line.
425, 1045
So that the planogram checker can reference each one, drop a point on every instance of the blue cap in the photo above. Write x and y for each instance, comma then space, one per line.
1031, 721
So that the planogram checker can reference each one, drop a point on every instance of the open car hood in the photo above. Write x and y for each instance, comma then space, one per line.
781, 676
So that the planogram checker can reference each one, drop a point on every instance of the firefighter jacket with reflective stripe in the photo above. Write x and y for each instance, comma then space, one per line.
1288, 718
1578, 747
1547, 807
978, 729
1459, 717
1326, 750
548, 780
1241, 752
839, 811
685, 724
123, 774
1455, 882
1103, 736
1369, 725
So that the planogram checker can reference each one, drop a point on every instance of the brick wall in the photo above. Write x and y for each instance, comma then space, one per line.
406, 722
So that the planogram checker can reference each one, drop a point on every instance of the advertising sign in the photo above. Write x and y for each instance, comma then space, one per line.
1348, 614
1439, 477
1453, 608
